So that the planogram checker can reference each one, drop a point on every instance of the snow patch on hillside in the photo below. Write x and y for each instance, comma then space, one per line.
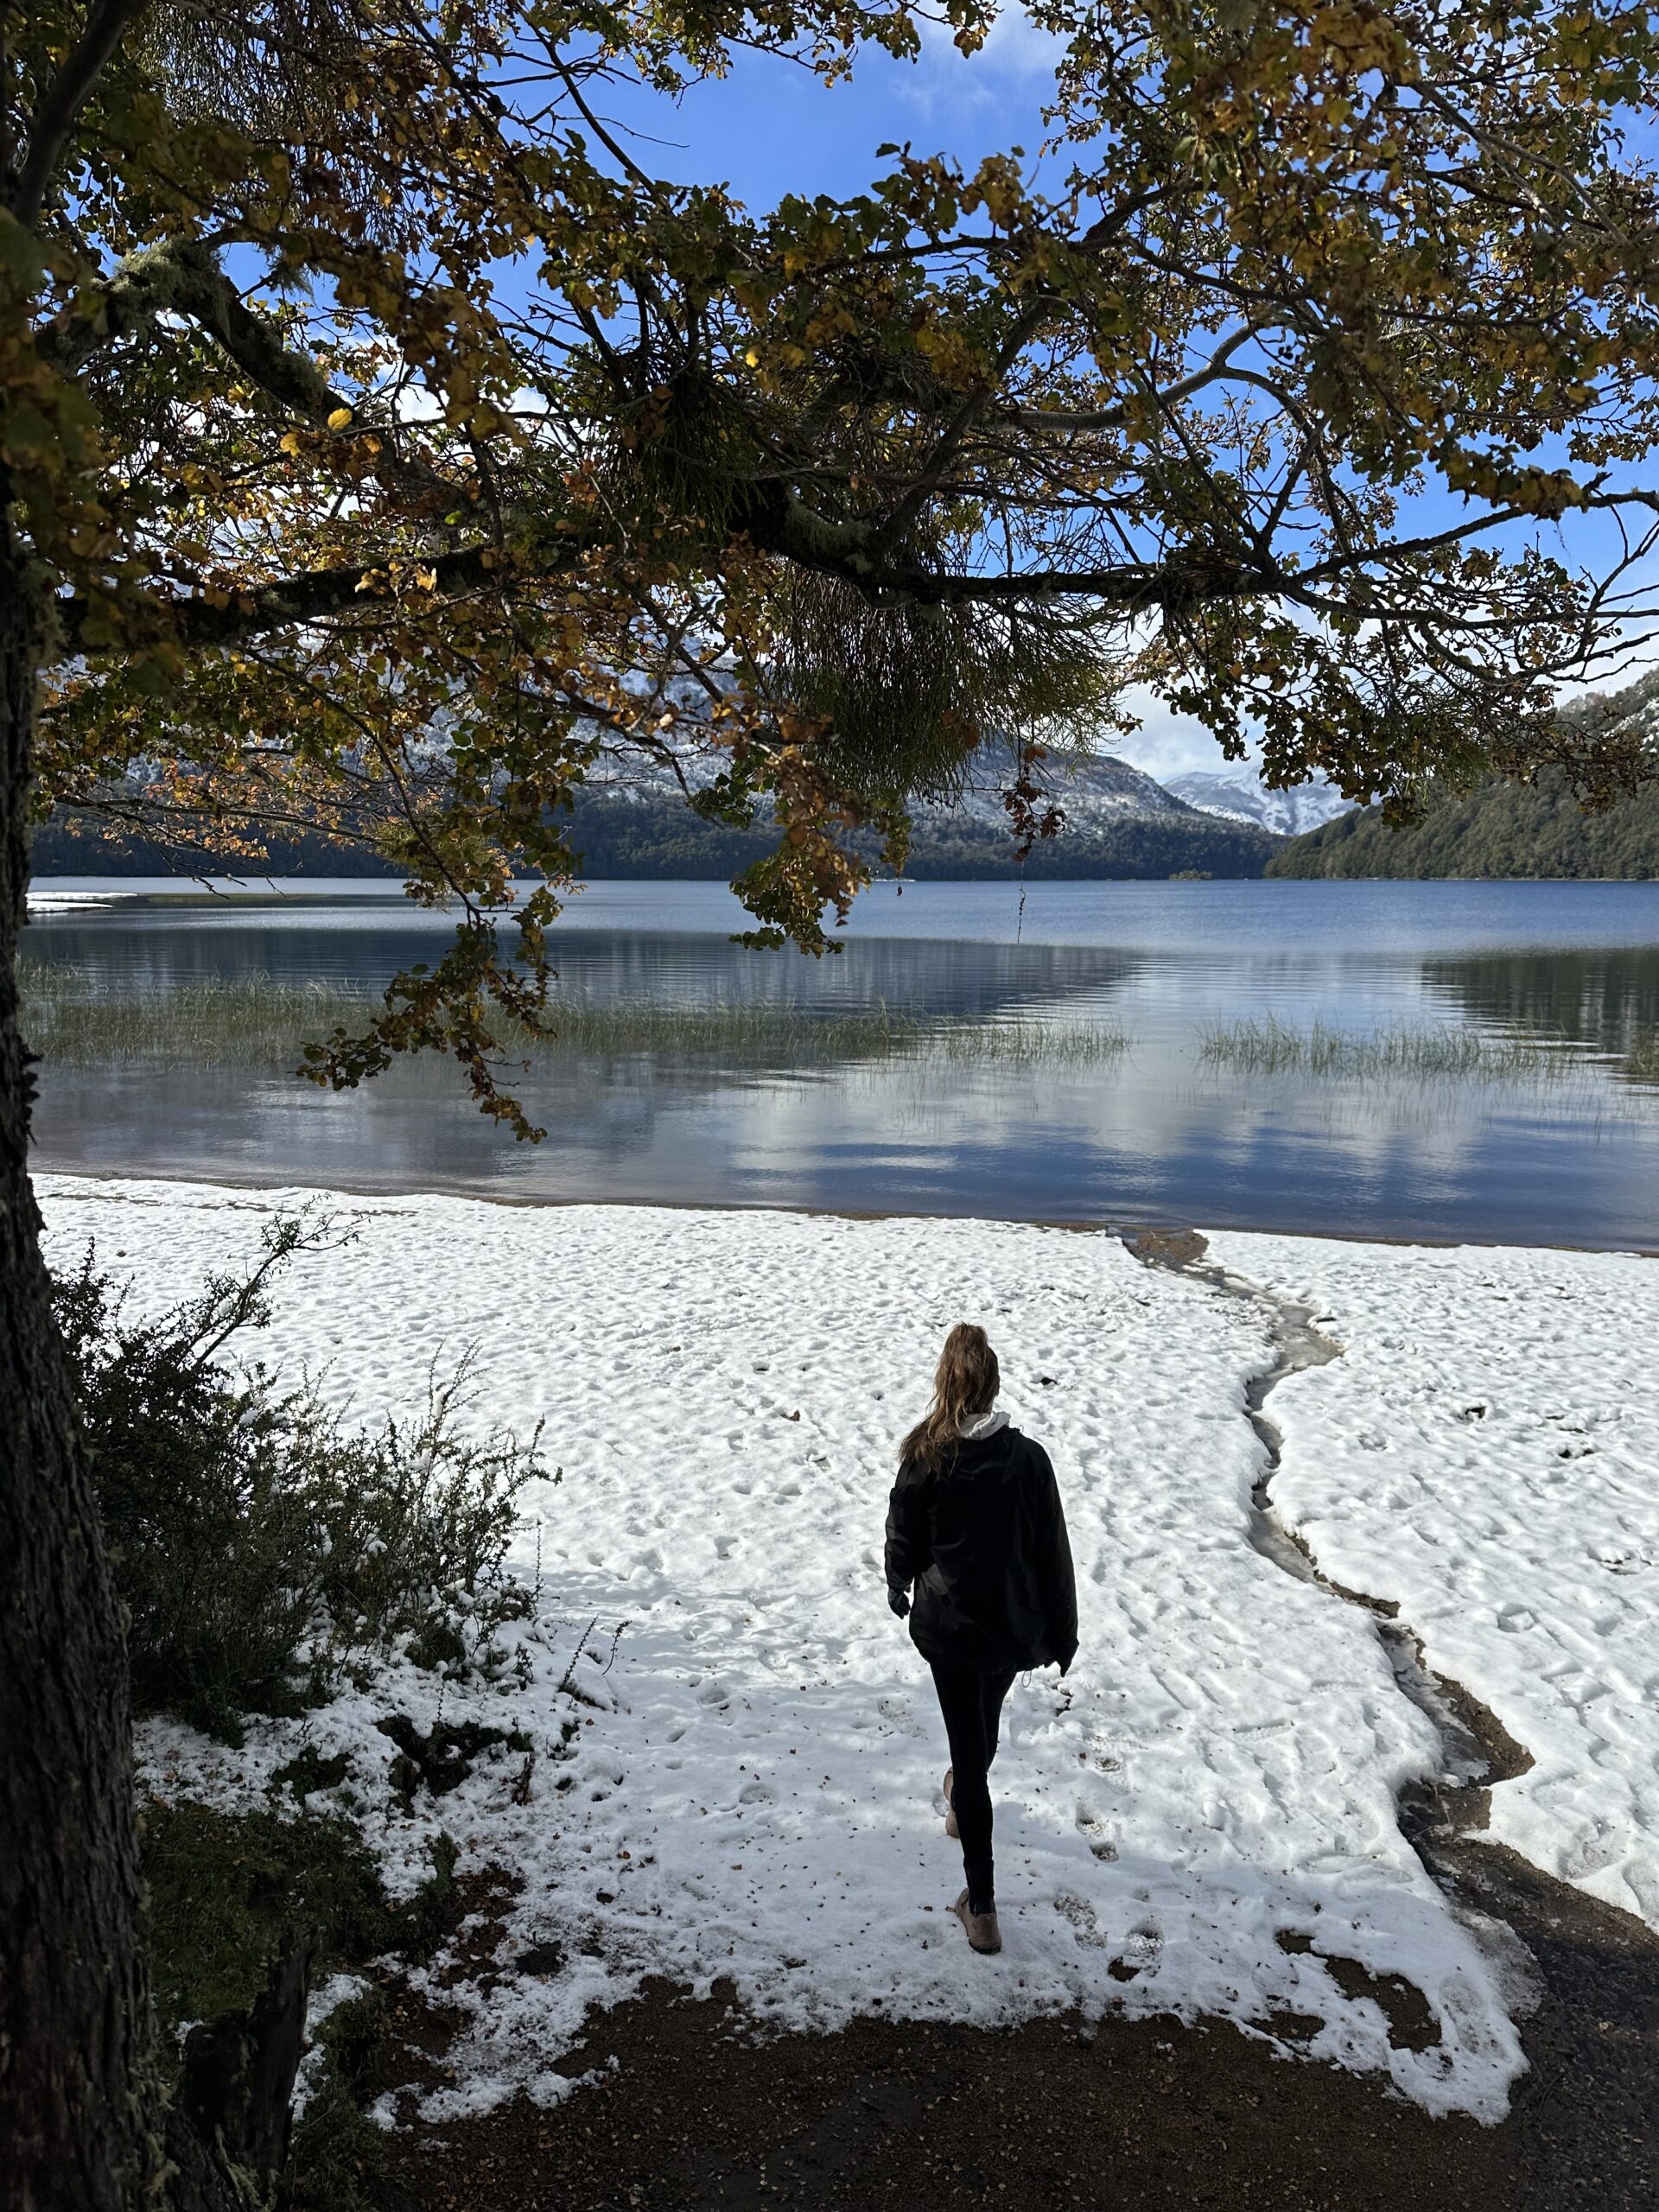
1242, 797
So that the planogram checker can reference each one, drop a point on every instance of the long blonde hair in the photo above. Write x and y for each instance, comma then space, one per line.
966, 1381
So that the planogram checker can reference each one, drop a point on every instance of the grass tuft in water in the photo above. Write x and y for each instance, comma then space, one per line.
1269, 1047
1640, 1061
71, 1020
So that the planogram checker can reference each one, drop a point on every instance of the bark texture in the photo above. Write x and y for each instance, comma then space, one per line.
75, 2116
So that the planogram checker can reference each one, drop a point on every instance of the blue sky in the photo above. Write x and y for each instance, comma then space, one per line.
770, 127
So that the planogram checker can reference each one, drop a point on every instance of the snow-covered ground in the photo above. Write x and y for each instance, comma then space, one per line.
1486, 1453
751, 1791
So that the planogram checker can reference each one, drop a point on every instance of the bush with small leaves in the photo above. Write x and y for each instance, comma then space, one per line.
264, 1548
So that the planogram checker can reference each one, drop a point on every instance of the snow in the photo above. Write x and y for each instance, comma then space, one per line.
1242, 796
750, 1787
1090, 787
1486, 1453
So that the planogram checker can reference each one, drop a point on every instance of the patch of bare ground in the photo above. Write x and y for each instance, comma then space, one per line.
1586, 2119
1147, 2113
683, 2106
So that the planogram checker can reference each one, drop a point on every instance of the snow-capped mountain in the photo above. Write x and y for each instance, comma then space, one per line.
1118, 821
1089, 791
1241, 796
631, 820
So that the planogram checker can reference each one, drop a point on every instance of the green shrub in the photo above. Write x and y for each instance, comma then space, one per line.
226, 1892
262, 1548
336, 2148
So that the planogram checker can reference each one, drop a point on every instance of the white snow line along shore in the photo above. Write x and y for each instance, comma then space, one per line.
753, 1791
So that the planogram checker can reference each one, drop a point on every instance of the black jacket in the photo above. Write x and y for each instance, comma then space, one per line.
982, 1537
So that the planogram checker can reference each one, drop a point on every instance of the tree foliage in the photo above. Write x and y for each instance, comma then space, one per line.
387, 441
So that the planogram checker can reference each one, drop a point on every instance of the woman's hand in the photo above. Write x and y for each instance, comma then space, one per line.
897, 1599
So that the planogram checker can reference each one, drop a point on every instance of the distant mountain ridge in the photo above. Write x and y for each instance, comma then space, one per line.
1241, 796
1120, 823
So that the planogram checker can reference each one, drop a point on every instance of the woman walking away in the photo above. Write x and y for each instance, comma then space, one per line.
975, 1523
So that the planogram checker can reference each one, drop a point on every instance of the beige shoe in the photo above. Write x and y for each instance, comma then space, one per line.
983, 1933
951, 1828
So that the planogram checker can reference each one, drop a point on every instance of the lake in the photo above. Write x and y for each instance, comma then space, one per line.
1442, 1060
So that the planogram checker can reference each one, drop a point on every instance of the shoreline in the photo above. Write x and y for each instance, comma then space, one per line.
1126, 1230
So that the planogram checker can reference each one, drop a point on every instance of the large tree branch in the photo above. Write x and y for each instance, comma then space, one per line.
314, 595
772, 519
63, 101
788, 531
181, 276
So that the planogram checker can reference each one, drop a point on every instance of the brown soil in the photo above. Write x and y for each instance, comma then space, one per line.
1149, 2114
1146, 2115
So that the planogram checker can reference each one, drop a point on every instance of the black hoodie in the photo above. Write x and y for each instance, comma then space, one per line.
981, 1536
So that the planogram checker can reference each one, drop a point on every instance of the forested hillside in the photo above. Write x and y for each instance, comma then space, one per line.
620, 838
1499, 829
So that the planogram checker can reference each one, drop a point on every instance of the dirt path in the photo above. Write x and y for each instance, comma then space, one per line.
1146, 2114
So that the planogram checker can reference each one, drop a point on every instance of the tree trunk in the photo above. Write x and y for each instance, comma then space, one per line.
77, 2117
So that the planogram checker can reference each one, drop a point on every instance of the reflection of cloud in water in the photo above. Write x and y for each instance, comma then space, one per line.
1154, 1134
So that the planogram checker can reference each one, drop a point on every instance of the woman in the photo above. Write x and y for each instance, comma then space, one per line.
975, 1523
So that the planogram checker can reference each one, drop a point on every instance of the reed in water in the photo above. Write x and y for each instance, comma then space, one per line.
1269, 1047
72, 1020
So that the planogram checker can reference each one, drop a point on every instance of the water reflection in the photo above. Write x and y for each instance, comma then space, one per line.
1156, 1133
1606, 1000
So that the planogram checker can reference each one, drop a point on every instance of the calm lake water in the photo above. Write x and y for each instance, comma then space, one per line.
1156, 1133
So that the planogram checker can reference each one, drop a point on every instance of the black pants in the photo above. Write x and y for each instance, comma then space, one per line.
972, 1705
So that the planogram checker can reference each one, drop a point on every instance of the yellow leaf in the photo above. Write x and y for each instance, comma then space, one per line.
340, 419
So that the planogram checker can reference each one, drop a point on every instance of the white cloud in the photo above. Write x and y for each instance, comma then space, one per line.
1166, 744
1017, 61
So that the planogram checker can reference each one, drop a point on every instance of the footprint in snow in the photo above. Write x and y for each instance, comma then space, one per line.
1082, 1915
1095, 1833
